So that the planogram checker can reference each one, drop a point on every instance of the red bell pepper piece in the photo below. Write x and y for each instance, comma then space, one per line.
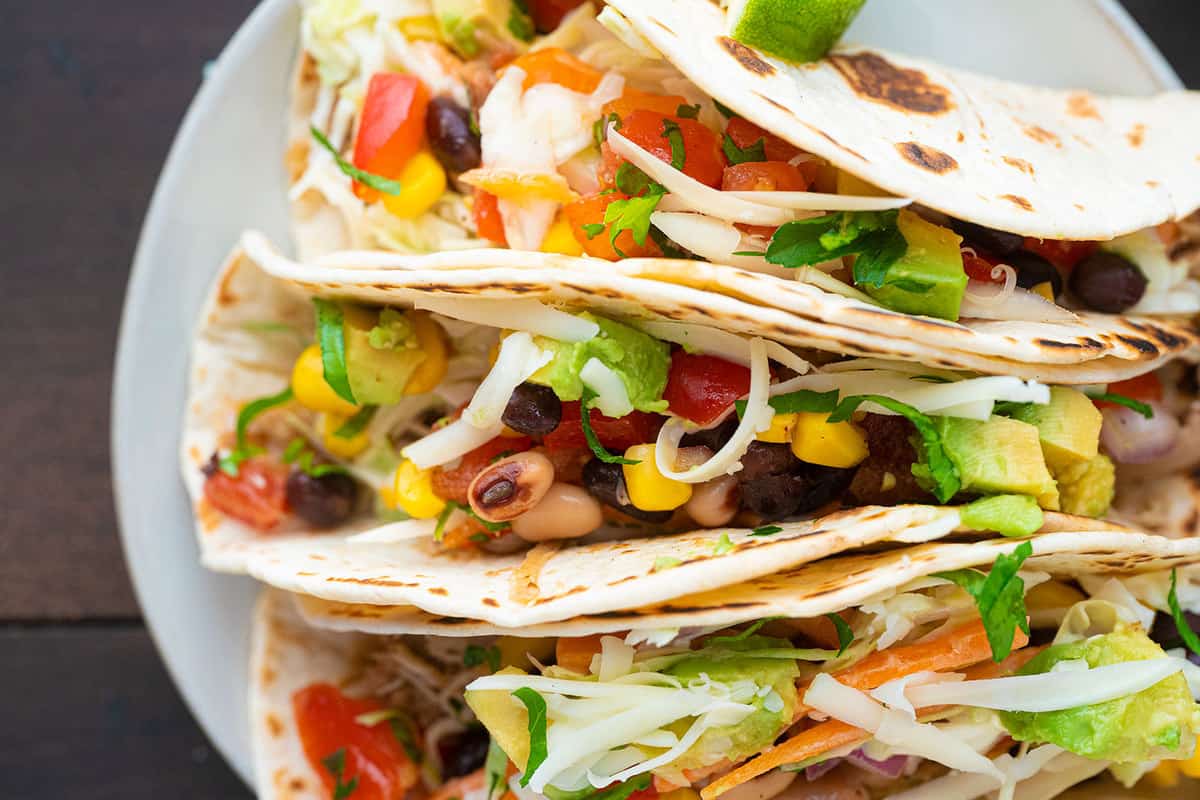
391, 128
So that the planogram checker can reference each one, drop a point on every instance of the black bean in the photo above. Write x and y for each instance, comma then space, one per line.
712, 438
606, 482
533, 410
998, 243
1167, 635
448, 126
1033, 270
783, 495
763, 458
1107, 282
322, 501
464, 752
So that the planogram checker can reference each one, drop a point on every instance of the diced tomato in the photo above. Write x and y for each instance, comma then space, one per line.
701, 388
702, 155
1062, 254
632, 100
763, 176
979, 267
1147, 388
391, 127
555, 65
548, 14
488, 223
257, 496
590, 211
451, 484
615, 433
373, 755
649, 793
745, 133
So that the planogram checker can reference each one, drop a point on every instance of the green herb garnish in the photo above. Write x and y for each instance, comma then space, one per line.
354, 426
1186, 633
1144, 409
844, 634
1000, 597
439, 530
229, 464
872, 236
476, 655
726, 111
585, 422
674, 136
599, 127
376, 182
633, 215
723, 545
535, 704
335, 764
593, 229
622, 791
742, 155
740, 636
632, 181
685, 111
666, 562
520, 24
766, 530
332, 339
496, 769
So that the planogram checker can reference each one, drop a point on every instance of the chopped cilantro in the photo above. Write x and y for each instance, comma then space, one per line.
335, 764
520, 24
355, 425
593, 229
1000, 597
844, 634
742, 155
439, 531
1144, 409
674, 136
741, 635
600, 126
766, 530
496, 769
585, 422
633, 215
723, 545
376, 182
1186, 633
797, 401
685, 111
666, 562
726, 111
332, 339
632, 181
244, 450
872, 236
622, 791
535, 705
476, 655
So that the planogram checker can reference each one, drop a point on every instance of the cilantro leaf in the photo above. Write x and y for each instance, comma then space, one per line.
1144, 409
766, 530
520, 24
476, 655
244, 450
723, 545
674, 136
941, 470
335, 764
376, 182
633, 215
741, 635
844, 634
332, 339
622, 791
665, 562
593, 229
726, 111
535, 704
496, 769
632, 181
684, 111
797, 401
354, 426
999, 596
439, 530
600, 126
1186, 633
872, 236
585, 422
742, 155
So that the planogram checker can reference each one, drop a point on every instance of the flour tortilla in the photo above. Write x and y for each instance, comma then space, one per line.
1096, 349
1039, 162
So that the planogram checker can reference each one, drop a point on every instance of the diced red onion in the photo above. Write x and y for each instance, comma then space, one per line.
892, 767
821, 767
1130, 438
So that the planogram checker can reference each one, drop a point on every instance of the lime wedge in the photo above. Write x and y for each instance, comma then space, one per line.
795, 30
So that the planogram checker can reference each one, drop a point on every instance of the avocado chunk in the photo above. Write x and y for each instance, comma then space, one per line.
795, 30
381, 353
468, 26
756, 731
1006, 514
929, 278
1069, 426
504, 717
1086, 488
1157, 722
999, 456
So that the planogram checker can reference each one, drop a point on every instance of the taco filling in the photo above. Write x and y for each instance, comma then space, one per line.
556, 129
955, 685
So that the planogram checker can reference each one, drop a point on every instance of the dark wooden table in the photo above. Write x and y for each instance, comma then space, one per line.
90, 96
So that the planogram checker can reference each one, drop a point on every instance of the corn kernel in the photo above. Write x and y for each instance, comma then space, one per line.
780, 431
1164, 776
413, 491
310, 388
648, 488
337, 445
423, 27
1190, 766
560, 239
433, 342
831, 444
1045, 289
422, 182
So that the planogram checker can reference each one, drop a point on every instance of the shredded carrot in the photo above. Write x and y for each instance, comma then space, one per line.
818, 739
990, 669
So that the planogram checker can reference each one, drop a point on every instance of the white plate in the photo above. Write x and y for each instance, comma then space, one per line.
225, 173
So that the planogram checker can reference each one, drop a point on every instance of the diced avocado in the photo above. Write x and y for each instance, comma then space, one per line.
795, 30
381, 353
1158, 722
929, 278
505, 719
760, 728
999, 456
1069, 426
1006, 514
641, 361
1086, 488
468, 25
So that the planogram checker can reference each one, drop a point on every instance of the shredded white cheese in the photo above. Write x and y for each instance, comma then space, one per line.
518, 358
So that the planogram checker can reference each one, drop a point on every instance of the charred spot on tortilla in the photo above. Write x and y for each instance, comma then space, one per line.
927, 157
773, 102
746, 56
1018, 201
438, 590
1040, 134
490, 601
1136, 135
961, 137
1153, 184
1080, 104
274, 726
1019, 164
1079, 206
1141, 345
874, 77
662, 25
836, 143
372, 582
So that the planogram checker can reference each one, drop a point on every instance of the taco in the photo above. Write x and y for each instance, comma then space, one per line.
457, 441
884, 193
946, 670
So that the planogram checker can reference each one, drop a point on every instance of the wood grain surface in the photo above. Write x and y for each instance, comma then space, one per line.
90, 97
